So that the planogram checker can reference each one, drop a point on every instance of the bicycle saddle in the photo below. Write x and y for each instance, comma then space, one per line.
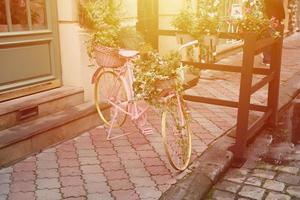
128, 53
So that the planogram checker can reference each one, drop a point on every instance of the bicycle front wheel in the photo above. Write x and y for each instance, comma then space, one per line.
177, 136
110, 93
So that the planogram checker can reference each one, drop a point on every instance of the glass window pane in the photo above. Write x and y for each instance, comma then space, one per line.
38, 14
19, 15
3, 23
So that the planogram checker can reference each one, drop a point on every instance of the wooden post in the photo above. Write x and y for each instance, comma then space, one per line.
244, 99
273, 97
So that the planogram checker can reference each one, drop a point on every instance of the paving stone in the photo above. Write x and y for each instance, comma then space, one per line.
255, 181
76, 198
47, 173
228, 186
4, 189
3, 197
25, 166
120, 184
236, 175
124, 149
94, 178
138, 172
98, 196
87, 153
288, 178
47, 164
22, 186
158, 170
66, 155
163, 188
142, 181
52, 194
68, 162
277, 196
69, 171
6, 170
5, 178
88, 161
153, 162
132, 164
264, 173
222, 195
274, 185
147, 154
99, 187
164, 179
115, 175
22, 196
128, 156
148, 192
291, 170
91, 169
73, 191
109, 158
294, 191
252, 192
71, 180
112, 166
46, 156
105, 151
265, 166
48, 183
125, 195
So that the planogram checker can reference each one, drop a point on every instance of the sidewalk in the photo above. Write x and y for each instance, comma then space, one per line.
134, 166
272, 171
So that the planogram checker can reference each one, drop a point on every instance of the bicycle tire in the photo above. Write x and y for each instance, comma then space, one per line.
110, 81
177, 143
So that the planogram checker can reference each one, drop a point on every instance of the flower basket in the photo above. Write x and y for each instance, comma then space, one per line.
166, 87
108, 57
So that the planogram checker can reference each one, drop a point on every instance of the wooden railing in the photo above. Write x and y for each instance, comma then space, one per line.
244, 130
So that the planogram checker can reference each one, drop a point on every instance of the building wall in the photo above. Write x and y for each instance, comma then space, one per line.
77, 69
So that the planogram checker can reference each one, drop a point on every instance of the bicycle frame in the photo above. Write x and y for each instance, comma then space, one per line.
134, 111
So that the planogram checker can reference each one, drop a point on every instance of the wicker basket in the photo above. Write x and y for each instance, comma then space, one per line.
108, 57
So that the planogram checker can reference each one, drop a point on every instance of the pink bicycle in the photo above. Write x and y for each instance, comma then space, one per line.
113, 90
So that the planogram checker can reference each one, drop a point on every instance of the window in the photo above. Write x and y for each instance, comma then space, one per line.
22, 15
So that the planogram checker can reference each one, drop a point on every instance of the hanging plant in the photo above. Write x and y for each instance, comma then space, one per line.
256, 21
155, 76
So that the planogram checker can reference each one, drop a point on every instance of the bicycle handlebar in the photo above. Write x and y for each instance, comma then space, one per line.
194, 42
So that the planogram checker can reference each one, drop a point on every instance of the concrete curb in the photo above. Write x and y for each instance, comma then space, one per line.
207, 169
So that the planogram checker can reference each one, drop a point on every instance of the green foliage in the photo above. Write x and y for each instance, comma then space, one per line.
97, 15
102, 20
256, 21
151, 71
205, 21
184, 21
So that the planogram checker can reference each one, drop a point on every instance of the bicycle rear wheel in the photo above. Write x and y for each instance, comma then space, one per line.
177, 136
110, 92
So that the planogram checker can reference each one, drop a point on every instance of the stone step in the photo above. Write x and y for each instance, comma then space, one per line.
31, 137
21, 110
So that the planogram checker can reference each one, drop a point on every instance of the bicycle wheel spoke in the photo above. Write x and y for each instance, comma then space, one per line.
110, 91
177, 138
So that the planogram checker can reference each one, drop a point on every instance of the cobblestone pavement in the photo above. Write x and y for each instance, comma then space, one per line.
271, 172
134, 166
